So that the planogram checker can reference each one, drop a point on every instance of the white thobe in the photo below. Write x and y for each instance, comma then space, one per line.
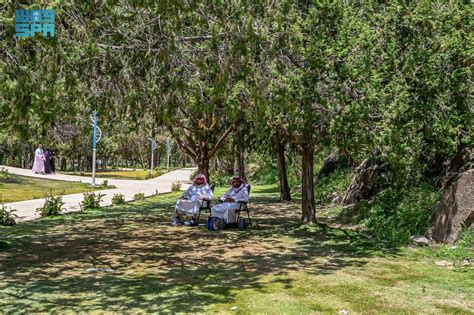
38, 165
226, 210
190, 202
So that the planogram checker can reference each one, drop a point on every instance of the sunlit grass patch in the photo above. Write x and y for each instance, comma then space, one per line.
17, 188
140, 174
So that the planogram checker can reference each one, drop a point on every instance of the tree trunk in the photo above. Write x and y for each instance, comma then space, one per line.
241, 154
308, 204
285, 194
203, 160
203, 168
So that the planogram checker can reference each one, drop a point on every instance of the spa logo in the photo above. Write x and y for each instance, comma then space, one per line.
30, 22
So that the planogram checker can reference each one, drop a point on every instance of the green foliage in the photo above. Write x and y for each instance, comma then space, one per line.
459, 253
263, 169
220, 178
118, 199
337, 182
105, 183
139, 196
51, 207
176, 186
398, 213
193, 174
92, 200
265, 173
411, 93
4, 173
354, 76
7, 217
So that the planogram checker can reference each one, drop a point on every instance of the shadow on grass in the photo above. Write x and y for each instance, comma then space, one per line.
12, 179
159, 267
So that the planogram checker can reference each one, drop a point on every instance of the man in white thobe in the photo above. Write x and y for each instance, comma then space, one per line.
192, 200
230, 201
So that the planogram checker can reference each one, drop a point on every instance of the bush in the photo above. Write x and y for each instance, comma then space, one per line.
220, 178
7, 217
398, 213
264, 171
4, 172
51, 207
139, 196
91, 200
176, 186
118, 199
462, 251
105, 183
264, 174
193, 174
338, 182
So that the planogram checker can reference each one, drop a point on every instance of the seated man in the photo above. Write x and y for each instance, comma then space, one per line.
230, 201
191, 200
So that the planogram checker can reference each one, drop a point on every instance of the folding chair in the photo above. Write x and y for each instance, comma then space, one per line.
206, 205
244, 207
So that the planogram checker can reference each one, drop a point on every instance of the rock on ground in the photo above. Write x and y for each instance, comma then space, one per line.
420, 240
456, 209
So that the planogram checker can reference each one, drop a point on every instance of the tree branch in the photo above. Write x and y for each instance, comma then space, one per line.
219, 142
186, 148
190, 139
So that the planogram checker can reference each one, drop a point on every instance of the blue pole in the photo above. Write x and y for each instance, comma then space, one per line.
94, 144
152, 162
94, 148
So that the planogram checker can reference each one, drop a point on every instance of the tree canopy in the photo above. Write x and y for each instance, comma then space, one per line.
361, 78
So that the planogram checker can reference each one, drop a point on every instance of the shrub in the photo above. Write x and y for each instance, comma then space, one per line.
139, 196
193, 174
91, 200
105, 183
118, 199
220, 177
338, 182
51, 207
263, 170
266, 173
7, 217
176, 186
4, 172
398, 213
459, 253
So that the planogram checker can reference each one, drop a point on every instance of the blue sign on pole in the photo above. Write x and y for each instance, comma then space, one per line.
94, 144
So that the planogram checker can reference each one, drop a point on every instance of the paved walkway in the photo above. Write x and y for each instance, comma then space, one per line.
128, 188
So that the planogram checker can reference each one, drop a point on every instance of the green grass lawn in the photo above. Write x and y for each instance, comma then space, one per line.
274, 267
18, 188
125, 174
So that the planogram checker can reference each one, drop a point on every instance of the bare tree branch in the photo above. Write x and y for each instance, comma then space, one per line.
219, 142
186, 148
